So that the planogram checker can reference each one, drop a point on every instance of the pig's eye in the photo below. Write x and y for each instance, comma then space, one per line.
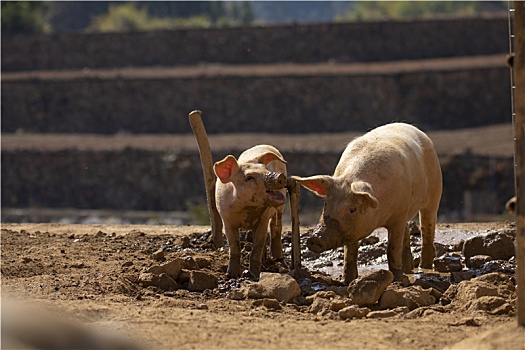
249, 178
352, 210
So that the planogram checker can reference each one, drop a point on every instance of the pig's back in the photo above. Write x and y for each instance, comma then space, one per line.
396, 159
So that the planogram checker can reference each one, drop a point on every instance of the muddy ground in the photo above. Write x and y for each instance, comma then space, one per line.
90, 273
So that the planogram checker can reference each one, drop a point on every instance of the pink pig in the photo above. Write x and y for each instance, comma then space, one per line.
383, 179
250, 194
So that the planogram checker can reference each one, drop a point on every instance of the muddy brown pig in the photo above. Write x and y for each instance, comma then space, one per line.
383, 179
250, 194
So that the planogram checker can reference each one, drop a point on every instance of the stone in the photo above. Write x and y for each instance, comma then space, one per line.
235, 294
189, 263
273, 286
382, 314
200, 281
412, 297
271, 304
489, 293
158, 255
477, 261
497, 244
437, 282
183, 242
353, 311
367, 289
173, 268
161, 281
449, 262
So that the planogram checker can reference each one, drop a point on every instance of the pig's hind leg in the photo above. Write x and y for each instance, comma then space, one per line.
428, 220
350, 262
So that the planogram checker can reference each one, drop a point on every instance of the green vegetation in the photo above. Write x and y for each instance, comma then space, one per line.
129, 16
199, 214
374, 10
125, 16
25, 17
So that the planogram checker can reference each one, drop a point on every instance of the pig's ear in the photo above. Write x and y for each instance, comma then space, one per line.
226, 168
319, 184
268, 157
365, 189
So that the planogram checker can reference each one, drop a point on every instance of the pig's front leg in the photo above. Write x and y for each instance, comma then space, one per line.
234, 244
394, 250
350, 263
408, 259
259, 246
276, 227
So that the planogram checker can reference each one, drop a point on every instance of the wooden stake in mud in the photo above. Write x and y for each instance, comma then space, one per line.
294, 194
209, 176
518, 68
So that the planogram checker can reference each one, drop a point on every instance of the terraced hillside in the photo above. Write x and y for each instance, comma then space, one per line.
117, 137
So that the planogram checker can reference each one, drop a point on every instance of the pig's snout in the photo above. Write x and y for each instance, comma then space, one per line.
327, 235
274, 181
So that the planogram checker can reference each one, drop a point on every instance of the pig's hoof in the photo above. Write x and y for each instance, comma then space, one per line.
402, 279
248, 274
315, 244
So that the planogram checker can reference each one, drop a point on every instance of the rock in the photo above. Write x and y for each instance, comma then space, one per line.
353, 311
319, 306
127, 264
158, 255
366, 290
382, 314
449, 262
172, 269
273, 286
235, 294
440, 283
189, 263
369, 240
412, 297
441, 249
337, 305
202, 306
477, 261
497, 266
493, 305
200, 281
271, 304
161, 281
459, 276
487, 293
202, 262
497, 244
183, 241
342, 291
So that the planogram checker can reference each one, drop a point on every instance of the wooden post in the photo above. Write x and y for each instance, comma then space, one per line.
294, 194
518, 70
209, 177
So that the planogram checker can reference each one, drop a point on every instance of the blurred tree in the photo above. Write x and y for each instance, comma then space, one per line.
147, 15
372, 10
25, 17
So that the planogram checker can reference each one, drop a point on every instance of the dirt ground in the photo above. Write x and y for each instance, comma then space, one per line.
88, 272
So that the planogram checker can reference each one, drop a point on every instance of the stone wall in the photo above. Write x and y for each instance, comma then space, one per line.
432, 99
339, 42
134, 179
